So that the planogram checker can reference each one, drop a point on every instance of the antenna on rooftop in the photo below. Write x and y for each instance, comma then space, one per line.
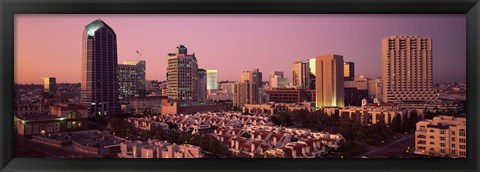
138, 54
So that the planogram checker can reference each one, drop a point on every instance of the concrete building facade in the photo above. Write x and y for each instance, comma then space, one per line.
407, 69
329, 81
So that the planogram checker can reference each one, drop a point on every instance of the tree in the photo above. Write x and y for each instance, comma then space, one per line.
396, 124
122, 128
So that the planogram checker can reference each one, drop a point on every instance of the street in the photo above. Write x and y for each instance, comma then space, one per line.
47, 150
394, 148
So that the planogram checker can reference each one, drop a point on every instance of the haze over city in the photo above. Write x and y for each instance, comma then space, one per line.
51, 45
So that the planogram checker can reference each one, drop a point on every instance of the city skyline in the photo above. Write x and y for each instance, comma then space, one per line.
224, 48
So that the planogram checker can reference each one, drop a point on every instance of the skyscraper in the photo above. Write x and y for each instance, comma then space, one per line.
407, 69
329, 78
212, 82
99, 86
49, 85
349, 71
301, 74
182, 70
248, 88
131, 79
276, 79
202, 84
312, 65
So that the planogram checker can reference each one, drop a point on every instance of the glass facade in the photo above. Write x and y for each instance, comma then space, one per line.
99, 85
212, 82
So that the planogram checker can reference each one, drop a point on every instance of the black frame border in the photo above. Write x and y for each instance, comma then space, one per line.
8, 8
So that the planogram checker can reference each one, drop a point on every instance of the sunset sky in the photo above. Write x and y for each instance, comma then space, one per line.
51, 45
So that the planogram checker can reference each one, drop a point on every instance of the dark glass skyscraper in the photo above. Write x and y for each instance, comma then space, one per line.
99, 87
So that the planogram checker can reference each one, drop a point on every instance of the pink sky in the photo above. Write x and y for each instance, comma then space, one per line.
50, 45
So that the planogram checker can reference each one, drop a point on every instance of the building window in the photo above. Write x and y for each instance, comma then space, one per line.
462, 140
462, 153
453, 132
461, 132
463, 147
432, 143
442, 144
453, 145
432, 131
453, 152
453, 139
442, 138
442, 131
442, 150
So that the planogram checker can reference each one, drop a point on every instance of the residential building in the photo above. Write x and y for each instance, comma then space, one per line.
442, 136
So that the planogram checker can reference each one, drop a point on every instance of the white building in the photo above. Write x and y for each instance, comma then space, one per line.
443, 136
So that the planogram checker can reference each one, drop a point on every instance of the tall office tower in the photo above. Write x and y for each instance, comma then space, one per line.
248, 88
202, 84
311, 65
212, 82
301, 74
131, 79
49, 86
329, 78
99, 86
349, 71
276, 79
182, 70
407, 69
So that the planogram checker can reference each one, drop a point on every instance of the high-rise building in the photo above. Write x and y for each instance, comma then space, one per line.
375, 88
349, 71
131, 79
329, 78
311, 65
99, 84
248, 88
407, 69
202, 84
182, 70
276, 79
49, 85
212, 82
229, 87
301, 74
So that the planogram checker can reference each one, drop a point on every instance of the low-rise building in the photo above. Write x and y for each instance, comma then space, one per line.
62, 117
442, 136
145, 105
158, 149
274, 108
